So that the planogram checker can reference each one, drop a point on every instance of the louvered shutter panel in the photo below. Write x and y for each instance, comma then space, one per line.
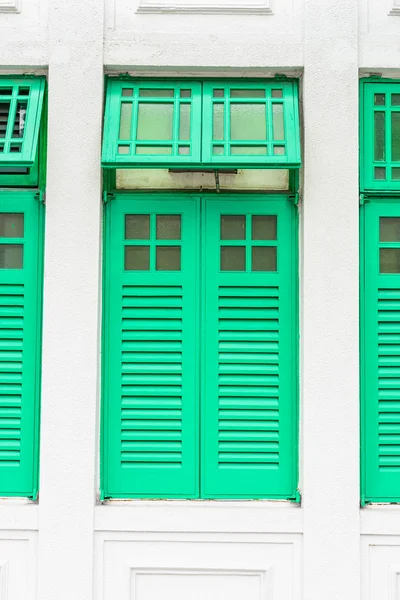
381, 352
20, 318
249, 428
151, 393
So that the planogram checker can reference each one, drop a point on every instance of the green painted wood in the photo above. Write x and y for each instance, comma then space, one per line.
21, 102
381, 359
148, 123
20, 342
251, 122
380, 136
249, 389
151, 390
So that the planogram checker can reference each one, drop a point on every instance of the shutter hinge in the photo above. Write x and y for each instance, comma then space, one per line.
41, 196
107, 196
295, 198
280, 77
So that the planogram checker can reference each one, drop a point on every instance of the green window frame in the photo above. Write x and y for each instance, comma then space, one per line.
171, 428
21, 103
201, 124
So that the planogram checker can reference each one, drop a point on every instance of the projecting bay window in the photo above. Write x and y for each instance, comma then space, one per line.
21, 250
380, 290
200, 306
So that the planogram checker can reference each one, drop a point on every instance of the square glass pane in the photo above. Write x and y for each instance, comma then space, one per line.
389, 229
396, 136
137, 227
247, 93
155, 121
395, 99
248, 122
156, 93
396, 173
389, 259
168, 258
233, 258
23, 91
277, 94
168, 227
125, 122
186, 93
11, 225
218, 121
263, 258
233, 227
124, 149
379, 99
380, 173
279, 150
218, 150
11, 256
218, 93
137, 258
379, 135
184, 150
184, 121
127, 92
277, 121
263, 227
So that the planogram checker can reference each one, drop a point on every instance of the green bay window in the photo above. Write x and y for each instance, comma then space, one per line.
200, 290
21, 257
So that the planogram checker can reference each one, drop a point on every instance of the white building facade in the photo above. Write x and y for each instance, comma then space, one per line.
71, 544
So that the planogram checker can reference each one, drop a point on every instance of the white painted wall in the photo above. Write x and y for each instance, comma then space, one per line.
70, 544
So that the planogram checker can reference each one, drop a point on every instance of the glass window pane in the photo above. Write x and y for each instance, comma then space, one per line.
389, 229
137, 258
218, 93
155, 121
12, 225
218, 121
279, 150
153, 150
218, 150
263, 227
277, 94
233, 227
184, 121
137, 227
19, 120
379, 99
168, 258
263, 258
277, 121
389, 260
395, 99
248, 150
380, 173
233, 258
11, 256
396, 173
124, 149
395, 135
4, 111
248, 122
156, 93
125, 122
184, 150
247, 93
186, 93
168, 227
379, 128
127, 92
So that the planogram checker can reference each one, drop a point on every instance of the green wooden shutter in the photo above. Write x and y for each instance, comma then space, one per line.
251, 123
249, 415
151, 123
151, 404
381, 351
21, 102
20, 335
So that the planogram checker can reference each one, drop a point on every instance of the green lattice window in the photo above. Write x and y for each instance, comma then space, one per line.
21, 102
251, 122
381, 136
210, 124
150, 121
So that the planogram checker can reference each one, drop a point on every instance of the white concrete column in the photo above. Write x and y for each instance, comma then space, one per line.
330, 306
71, 301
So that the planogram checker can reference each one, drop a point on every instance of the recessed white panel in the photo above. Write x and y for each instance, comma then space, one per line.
206, 6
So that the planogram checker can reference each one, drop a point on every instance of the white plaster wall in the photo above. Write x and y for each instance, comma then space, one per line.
70, 544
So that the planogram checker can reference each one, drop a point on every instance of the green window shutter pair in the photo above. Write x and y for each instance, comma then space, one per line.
189, 123
200, 348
